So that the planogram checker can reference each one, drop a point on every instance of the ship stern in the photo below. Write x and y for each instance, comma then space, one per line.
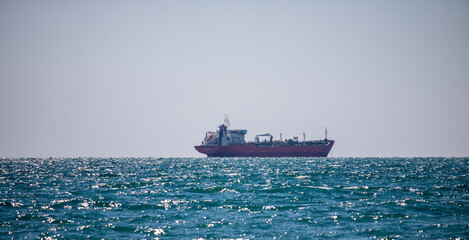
209, 150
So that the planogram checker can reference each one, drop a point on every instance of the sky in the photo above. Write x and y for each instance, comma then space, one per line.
149, 78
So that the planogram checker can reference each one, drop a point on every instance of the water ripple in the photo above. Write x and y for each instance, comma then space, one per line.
226, 198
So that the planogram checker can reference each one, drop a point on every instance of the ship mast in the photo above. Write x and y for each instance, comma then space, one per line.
227, 121
326, 134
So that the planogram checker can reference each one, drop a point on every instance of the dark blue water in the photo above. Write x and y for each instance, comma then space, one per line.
186, 198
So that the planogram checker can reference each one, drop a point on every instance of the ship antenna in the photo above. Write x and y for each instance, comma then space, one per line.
227, 121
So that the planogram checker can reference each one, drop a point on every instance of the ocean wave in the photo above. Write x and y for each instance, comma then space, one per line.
229, 198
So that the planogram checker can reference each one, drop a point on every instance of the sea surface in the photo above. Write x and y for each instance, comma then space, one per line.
234, 198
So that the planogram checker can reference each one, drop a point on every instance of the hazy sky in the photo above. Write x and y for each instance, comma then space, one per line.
149, 78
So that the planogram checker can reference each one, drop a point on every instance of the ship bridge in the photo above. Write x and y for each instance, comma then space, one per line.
225, 137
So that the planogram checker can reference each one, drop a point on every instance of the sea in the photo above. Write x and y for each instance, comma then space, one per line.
234, 198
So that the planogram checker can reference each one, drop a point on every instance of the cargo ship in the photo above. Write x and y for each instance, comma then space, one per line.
231, 143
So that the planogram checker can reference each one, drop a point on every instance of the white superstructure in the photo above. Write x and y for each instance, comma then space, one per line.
225, 137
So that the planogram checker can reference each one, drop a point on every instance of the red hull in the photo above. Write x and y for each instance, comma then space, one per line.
250, 150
